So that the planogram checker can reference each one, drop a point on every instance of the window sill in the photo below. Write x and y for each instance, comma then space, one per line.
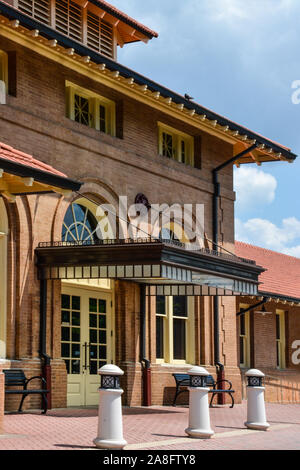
174, 364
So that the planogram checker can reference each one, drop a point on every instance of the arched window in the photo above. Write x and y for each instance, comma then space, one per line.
168, 234
79, 225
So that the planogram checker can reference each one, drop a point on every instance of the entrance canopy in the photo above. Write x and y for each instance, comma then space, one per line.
167, 268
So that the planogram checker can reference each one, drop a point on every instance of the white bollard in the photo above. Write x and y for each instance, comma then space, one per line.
110, 425
256, 412
199, 420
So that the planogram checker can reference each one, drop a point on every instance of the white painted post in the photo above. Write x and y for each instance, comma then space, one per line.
110, 425
199, 419
256, 413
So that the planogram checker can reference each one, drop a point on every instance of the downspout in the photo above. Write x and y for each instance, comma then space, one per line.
146, 365
215, 240
46, 367
245, 310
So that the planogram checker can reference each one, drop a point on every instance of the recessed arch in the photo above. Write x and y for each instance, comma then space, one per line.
3, 277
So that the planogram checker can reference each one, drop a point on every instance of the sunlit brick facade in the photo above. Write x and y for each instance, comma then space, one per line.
80, 111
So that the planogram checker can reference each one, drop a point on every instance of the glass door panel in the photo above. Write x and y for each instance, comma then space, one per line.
97, 334
85, 342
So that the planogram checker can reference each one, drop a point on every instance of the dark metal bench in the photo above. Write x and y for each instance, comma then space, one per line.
16, 378
183, 381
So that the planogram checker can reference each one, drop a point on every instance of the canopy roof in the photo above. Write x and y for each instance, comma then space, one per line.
20, 173
166, 267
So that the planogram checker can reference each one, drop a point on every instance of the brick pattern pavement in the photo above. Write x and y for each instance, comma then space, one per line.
155, 428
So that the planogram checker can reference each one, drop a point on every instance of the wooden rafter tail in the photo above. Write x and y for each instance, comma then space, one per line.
255, 157
119, 37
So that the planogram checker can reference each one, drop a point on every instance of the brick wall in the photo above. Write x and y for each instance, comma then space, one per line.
34, 121
1, 401
281, 385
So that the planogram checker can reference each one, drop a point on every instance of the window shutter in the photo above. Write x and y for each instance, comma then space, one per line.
68, 19
39, 9
106, 39
99, 35
93, 31
197, 152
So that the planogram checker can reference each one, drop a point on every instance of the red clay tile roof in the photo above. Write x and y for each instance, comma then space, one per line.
16, 156
127, 19
283, 272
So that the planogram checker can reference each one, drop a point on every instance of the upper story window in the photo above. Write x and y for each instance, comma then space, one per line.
175, 144
3, 77
90, 109
72, 19
4, 67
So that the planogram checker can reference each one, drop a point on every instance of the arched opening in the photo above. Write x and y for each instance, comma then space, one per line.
87, 312
3, 277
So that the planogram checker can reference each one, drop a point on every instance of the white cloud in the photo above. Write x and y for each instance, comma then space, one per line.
262, 232
253, 10
253, 187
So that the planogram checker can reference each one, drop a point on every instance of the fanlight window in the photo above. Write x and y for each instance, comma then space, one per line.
79, 225
168, 234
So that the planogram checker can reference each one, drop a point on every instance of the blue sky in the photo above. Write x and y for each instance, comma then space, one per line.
240, 59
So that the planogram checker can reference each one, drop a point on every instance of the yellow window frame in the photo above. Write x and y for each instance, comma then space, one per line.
169, 330
246, 337
280, 342
4, 68
178, 137
95, 101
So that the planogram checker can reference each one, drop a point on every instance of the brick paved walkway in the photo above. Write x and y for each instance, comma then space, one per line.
155, 428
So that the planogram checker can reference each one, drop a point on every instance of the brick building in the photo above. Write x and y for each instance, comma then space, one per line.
76, 298
269, 333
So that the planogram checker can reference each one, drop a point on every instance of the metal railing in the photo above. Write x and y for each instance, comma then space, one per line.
146, 240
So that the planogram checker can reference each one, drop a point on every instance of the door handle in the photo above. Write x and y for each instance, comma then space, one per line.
85, 356
88, 347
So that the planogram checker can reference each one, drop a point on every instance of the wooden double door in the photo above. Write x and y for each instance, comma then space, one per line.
86, 341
